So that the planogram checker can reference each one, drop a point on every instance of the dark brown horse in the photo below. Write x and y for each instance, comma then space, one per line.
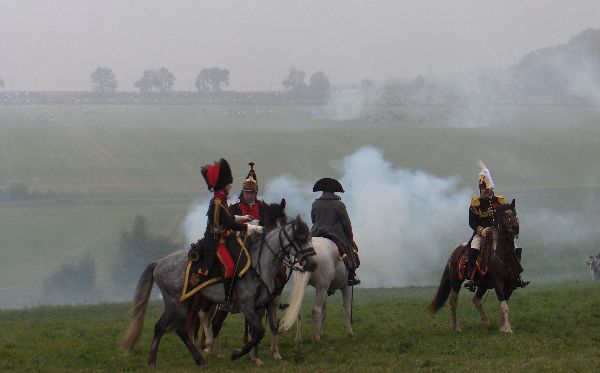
210, 318
499, 269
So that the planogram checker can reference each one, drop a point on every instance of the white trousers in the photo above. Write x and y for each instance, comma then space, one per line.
476, 242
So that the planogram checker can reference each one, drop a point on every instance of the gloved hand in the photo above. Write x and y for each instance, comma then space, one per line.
485, 231
243, 218
254, 229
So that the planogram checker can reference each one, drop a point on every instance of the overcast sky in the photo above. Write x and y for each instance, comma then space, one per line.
55, 45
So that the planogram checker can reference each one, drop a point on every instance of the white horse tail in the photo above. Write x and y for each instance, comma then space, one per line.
295, 300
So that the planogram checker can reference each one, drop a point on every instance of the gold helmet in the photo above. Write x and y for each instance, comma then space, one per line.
250, 184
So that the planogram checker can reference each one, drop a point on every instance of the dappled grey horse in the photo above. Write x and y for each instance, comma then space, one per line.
254, 290
331, 275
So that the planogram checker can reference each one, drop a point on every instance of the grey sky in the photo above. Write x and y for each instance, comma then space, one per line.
57, 44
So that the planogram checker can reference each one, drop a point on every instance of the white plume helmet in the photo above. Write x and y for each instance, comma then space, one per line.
485, 177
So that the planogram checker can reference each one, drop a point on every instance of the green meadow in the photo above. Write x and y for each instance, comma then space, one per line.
555, 330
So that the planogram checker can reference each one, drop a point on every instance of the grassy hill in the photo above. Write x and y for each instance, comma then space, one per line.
90, 169
555, 330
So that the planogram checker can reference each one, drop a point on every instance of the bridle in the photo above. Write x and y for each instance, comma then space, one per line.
288, 245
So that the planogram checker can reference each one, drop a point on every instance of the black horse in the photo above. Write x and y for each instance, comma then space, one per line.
498, 269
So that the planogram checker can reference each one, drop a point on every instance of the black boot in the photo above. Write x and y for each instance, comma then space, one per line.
352, 279
472, 259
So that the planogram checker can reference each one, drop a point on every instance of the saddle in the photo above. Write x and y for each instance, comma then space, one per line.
194, 280
481, 266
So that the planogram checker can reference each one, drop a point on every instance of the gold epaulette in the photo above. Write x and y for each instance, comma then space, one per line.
475, 201
500, 199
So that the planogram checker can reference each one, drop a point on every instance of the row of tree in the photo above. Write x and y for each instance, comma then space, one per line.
210, 80
73, 283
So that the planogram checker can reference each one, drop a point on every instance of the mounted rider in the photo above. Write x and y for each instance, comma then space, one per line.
220, 223
330, 220
249, 205
482, 213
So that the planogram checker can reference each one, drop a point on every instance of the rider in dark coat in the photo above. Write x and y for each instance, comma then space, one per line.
330, 220
482, 212
220, 222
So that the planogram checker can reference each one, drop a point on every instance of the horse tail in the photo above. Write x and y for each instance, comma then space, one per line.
295, 300
442, 293
140, 303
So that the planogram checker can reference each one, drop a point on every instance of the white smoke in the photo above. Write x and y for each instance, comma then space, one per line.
405, 222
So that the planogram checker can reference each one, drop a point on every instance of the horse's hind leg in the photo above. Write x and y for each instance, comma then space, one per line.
159, 329
485, 320
254, 351
346, 296
205, 317
320, 299
185, 337
453, 306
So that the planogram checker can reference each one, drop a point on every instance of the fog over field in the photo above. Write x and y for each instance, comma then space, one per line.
109, 109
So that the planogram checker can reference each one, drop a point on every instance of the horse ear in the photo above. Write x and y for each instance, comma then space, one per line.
513, 203
282, 204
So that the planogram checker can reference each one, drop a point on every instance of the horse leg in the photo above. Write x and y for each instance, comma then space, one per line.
298, 338
453, 305
254, 351
205, 316
485, 320
159, 329
274, 325
504, 324
218, 319
320, 299
181, 331
258, 331
346, 298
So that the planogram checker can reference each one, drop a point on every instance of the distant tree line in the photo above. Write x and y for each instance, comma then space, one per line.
209, 81
137, 248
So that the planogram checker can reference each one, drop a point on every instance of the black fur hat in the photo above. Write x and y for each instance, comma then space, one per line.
328, 184
217, 175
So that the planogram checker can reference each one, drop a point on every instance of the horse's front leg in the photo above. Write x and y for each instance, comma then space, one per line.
248, 338
347, 298
504, 324
485, 320
274, 325
320, 299
256, 327
453, 305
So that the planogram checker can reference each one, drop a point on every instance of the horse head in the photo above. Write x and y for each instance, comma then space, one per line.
304, 251
508, 222
275, 215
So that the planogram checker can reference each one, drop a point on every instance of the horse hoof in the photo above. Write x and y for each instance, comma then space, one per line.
457, 329
258, 362
316, 338
276, 356
350, 335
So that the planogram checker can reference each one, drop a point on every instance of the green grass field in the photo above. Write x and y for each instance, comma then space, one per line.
96, 167
555, 330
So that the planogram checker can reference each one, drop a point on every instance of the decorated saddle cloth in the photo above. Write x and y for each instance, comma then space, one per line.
462, 263
193, 281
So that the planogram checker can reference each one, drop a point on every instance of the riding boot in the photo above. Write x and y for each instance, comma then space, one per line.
352, 279
472, 259
520, 283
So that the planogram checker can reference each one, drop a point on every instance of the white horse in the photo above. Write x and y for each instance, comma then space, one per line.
331, 275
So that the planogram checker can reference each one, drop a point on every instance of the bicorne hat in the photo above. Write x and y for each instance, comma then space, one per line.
217, 175
328, 184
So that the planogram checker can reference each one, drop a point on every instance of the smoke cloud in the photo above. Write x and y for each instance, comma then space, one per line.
405, 222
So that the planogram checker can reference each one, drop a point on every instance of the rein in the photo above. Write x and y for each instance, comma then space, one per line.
285, 252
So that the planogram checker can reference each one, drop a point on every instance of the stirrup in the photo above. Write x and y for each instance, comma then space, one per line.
470, 285
353, 280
